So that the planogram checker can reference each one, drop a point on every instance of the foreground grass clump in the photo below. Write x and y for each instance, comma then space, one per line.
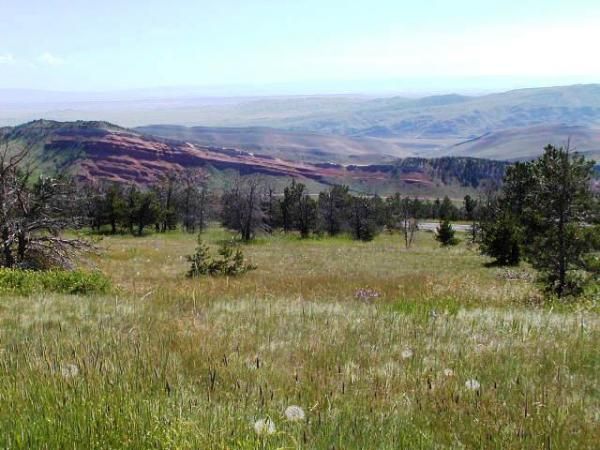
448, 354
26, 282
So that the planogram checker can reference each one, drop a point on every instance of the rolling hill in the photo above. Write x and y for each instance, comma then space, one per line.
462, 117
522, 143
103, 151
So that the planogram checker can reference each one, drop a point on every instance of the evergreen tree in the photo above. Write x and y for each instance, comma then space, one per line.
299, 210
469, 206
543, 214
306, 215
165, 192
366, 217
229, 262
291, 195
445, 234
114, 207
501, 237
560, 205
447, 210
146, 210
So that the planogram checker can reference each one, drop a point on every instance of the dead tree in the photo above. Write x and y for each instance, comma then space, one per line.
34, 213
241, 204
194, 201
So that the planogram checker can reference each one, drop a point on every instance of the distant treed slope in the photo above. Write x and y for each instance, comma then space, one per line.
101, 151
294, 146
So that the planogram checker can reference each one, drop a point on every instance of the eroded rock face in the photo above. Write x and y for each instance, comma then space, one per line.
102, 151
124, 156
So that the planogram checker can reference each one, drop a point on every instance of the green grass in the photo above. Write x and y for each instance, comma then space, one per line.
26, 282
171, 362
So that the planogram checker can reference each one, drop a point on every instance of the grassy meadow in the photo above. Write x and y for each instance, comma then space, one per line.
439, 352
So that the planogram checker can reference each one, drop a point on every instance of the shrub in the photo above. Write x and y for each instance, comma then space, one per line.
26, 282
228, 261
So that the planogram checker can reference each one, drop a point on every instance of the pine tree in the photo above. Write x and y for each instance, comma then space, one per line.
543, 214
366, 217
501, 238
229, 262
560, 204
445, 234
200, 261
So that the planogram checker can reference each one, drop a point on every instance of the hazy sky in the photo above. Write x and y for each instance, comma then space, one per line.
125, 44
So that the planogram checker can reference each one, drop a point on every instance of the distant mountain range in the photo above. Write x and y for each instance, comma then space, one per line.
349, 129
508, 144
103, 151
460, 117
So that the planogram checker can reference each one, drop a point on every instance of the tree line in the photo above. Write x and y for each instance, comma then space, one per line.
177, 199
251, 205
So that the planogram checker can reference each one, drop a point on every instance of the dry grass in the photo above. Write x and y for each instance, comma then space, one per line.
169, 362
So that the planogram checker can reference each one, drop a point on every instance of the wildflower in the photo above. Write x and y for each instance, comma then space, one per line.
448, 372
69, 371
472, 384
294, 413
264, 427
407, 353
366, 294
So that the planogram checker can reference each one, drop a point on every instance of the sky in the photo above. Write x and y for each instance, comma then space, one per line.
298, 45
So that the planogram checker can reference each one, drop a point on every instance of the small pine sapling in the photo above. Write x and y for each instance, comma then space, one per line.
229, 262
445, 234
200, 261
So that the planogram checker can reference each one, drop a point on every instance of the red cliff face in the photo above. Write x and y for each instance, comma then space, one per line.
124, 156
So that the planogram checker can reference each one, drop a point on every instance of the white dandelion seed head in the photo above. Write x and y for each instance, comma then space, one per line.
406, 353
69, 371
294, 413
448, 372
472, 385
264, 427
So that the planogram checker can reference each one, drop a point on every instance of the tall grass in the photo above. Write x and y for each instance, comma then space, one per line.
177, 363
